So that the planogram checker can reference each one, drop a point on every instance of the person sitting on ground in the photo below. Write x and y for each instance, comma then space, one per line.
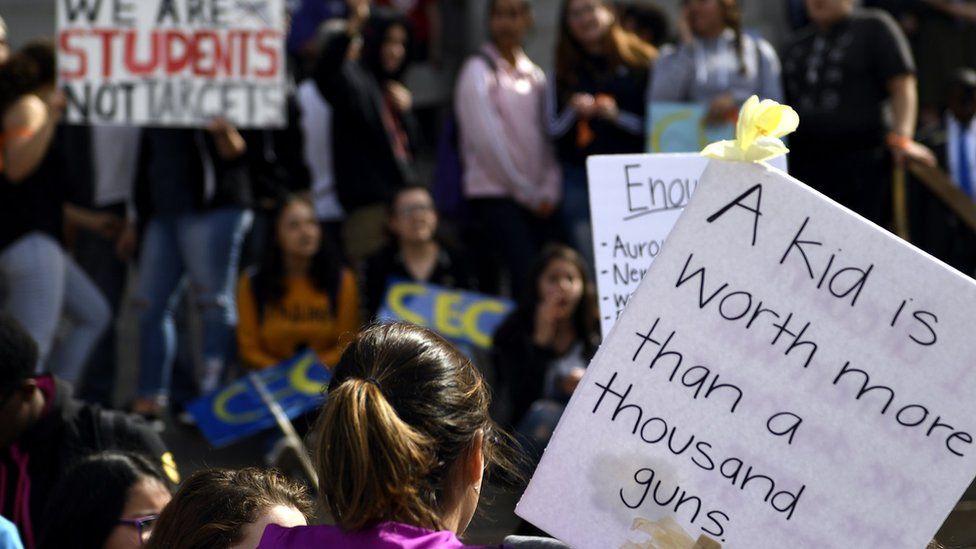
404, 441
542, 349
45, 431
227, 509
416, 255
119, 514
299, 297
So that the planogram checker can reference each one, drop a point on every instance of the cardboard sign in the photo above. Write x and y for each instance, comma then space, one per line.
787, 375
635, 200
237, 411
172, 62
466, 318
680, 127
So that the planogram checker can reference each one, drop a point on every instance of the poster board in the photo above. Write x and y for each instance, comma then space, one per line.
172, 62
680, 128
468, 319
635, 200
236, 411
787, 375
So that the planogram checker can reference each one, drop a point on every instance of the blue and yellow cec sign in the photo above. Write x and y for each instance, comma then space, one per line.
466, 318
681, 128
237, 411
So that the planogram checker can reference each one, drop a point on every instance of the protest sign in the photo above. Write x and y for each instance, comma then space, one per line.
172, 62
467, 318
786, 375
635, 200
681, 128
237, 410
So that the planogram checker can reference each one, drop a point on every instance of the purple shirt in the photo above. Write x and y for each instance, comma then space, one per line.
388, 535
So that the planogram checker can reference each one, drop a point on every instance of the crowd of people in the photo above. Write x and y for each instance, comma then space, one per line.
250, 246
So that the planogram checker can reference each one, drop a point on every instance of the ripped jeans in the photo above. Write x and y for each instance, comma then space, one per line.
201, 249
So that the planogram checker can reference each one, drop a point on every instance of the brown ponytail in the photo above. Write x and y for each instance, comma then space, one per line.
403, 407
733, 20
375, 462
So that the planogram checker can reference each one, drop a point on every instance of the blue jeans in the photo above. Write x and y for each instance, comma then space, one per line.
40, 285
202, 249
574, 212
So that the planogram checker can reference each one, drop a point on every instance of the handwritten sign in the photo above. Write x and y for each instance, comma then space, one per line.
635, 200
680, 127
463, 317
237, 411
172, 62
787, 375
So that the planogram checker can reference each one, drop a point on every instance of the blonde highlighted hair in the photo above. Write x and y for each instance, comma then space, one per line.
404, 408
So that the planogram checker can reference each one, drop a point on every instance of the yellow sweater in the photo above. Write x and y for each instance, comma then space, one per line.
302, 318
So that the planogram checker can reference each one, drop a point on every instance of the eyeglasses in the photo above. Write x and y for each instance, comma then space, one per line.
143, 524
406, 211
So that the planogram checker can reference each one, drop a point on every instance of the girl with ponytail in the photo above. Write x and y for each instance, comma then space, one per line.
404, 441
718, 64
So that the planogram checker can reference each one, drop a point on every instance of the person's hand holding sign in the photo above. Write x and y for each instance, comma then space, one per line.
230, 144
722, 110
358, 14
56, 103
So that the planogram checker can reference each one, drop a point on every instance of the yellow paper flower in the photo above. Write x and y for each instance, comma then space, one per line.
757, 133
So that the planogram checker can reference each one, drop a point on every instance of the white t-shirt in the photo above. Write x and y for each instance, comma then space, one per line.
317, 134
114, 150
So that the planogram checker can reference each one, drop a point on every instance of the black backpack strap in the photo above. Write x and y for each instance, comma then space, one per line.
487, 58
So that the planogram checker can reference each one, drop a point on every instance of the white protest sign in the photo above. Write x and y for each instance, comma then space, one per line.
172, 62
787, 375
635, 200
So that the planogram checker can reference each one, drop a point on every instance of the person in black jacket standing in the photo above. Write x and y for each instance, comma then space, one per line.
374, 131
45, 431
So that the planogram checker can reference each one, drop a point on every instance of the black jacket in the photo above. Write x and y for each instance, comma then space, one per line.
276, 159
233, 183
522, 365
69, 431
451, 271
367, 170
628, 86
